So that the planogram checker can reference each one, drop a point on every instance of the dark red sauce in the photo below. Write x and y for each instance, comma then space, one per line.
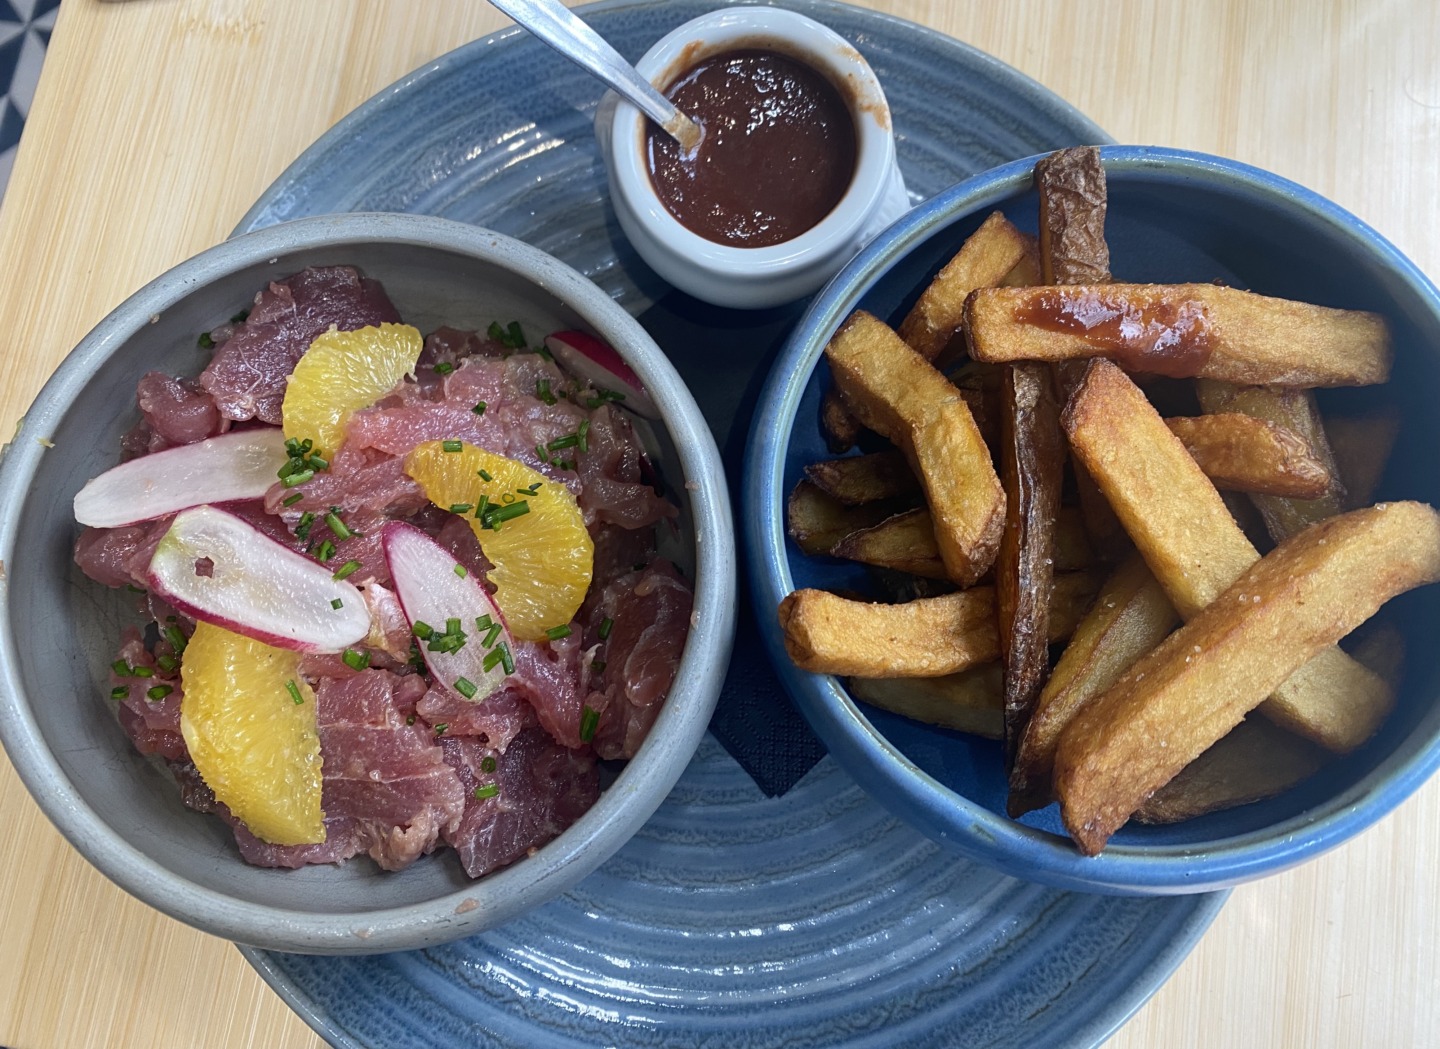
776, 156
1159, 338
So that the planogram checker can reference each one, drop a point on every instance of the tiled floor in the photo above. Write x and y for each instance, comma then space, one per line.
24, 32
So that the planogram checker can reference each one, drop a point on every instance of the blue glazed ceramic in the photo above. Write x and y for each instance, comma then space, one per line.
815, 918
1173, 216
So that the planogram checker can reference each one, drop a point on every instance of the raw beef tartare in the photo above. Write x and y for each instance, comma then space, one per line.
398, 591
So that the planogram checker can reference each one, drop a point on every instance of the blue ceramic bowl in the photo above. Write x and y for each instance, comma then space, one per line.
1173, 216
58, 630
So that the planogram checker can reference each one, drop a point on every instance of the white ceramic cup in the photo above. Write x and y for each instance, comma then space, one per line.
752, 278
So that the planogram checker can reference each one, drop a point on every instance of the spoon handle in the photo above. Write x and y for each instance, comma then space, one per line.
553, 23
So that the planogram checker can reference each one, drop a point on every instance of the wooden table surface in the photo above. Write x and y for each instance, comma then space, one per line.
158, 122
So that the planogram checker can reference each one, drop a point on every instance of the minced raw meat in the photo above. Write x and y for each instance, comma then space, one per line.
410, 765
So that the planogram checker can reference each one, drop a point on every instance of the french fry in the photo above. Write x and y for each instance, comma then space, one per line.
894, 391
841, 428
1200, 682
903, 543
1296, 411
817, 522
969, 701
1362, 445
1130, 617
1243, 454
1181, 330
1256, 760
870, 478
1195, 549
983, 261
1071, 184
1380, 647
1073, 551
1032, 460
928, 637
1026, 274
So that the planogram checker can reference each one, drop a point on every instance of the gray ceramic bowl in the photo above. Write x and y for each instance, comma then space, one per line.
1174, 216
58, 629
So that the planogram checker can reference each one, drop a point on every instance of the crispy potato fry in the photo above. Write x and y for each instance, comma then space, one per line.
1181, 330
1026, 274
983, 261
1073, 551
1032, 463
928, 637
1256, 760
1380, 647
817, 522
1243, 454
1296, 411
1195, 549
841, 428
870, 478
895, 392
903, 543
969, 701
1362, 445
1200, 682
1130, 617
1071, 184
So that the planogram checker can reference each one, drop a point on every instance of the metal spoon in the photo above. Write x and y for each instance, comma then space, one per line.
555, 25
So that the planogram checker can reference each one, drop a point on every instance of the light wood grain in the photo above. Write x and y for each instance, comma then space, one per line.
158, 122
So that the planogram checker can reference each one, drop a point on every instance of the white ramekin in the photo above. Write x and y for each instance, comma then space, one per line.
752, 278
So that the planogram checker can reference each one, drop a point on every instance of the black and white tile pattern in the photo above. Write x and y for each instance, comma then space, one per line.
25, 27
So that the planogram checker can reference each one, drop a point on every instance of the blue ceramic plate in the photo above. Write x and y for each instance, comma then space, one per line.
813, 919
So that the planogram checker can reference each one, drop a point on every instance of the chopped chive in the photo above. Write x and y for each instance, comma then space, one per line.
461, 508
507, 497
465, 687
452, 625
506, 660
597, 665
544, 352
159, 692
410, 720
141, 672
491, 661
589, 721
482, 505
517, 337
354, 659
176, 638
441, 727
325, 551
297, 478
120, 692
205, 342
239, 318
485, 476
349, 568
422, 630
540, 451
605, 625
303, 526
487, 791
444, 368
169, 664
122, 668
317, 463
491, 634
337, 526
452, 446
533, 489
483, 623
292, 498
542, 391
566, 464
487, 765
336, 603
460, 571
582, 434
495, 331
570, 440
555, 633
479, 408
500, 514
294, 691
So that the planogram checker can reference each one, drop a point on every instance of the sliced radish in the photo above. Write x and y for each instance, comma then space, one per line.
588, 358
237, 465
214, 566
436, 597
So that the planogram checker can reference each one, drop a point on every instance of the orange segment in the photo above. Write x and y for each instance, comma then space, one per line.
342, 372
253, 745
543, 558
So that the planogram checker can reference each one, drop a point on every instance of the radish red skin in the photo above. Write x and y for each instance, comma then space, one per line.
256, 586
584, 355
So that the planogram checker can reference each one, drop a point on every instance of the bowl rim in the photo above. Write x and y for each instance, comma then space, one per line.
883, 769
506, 893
